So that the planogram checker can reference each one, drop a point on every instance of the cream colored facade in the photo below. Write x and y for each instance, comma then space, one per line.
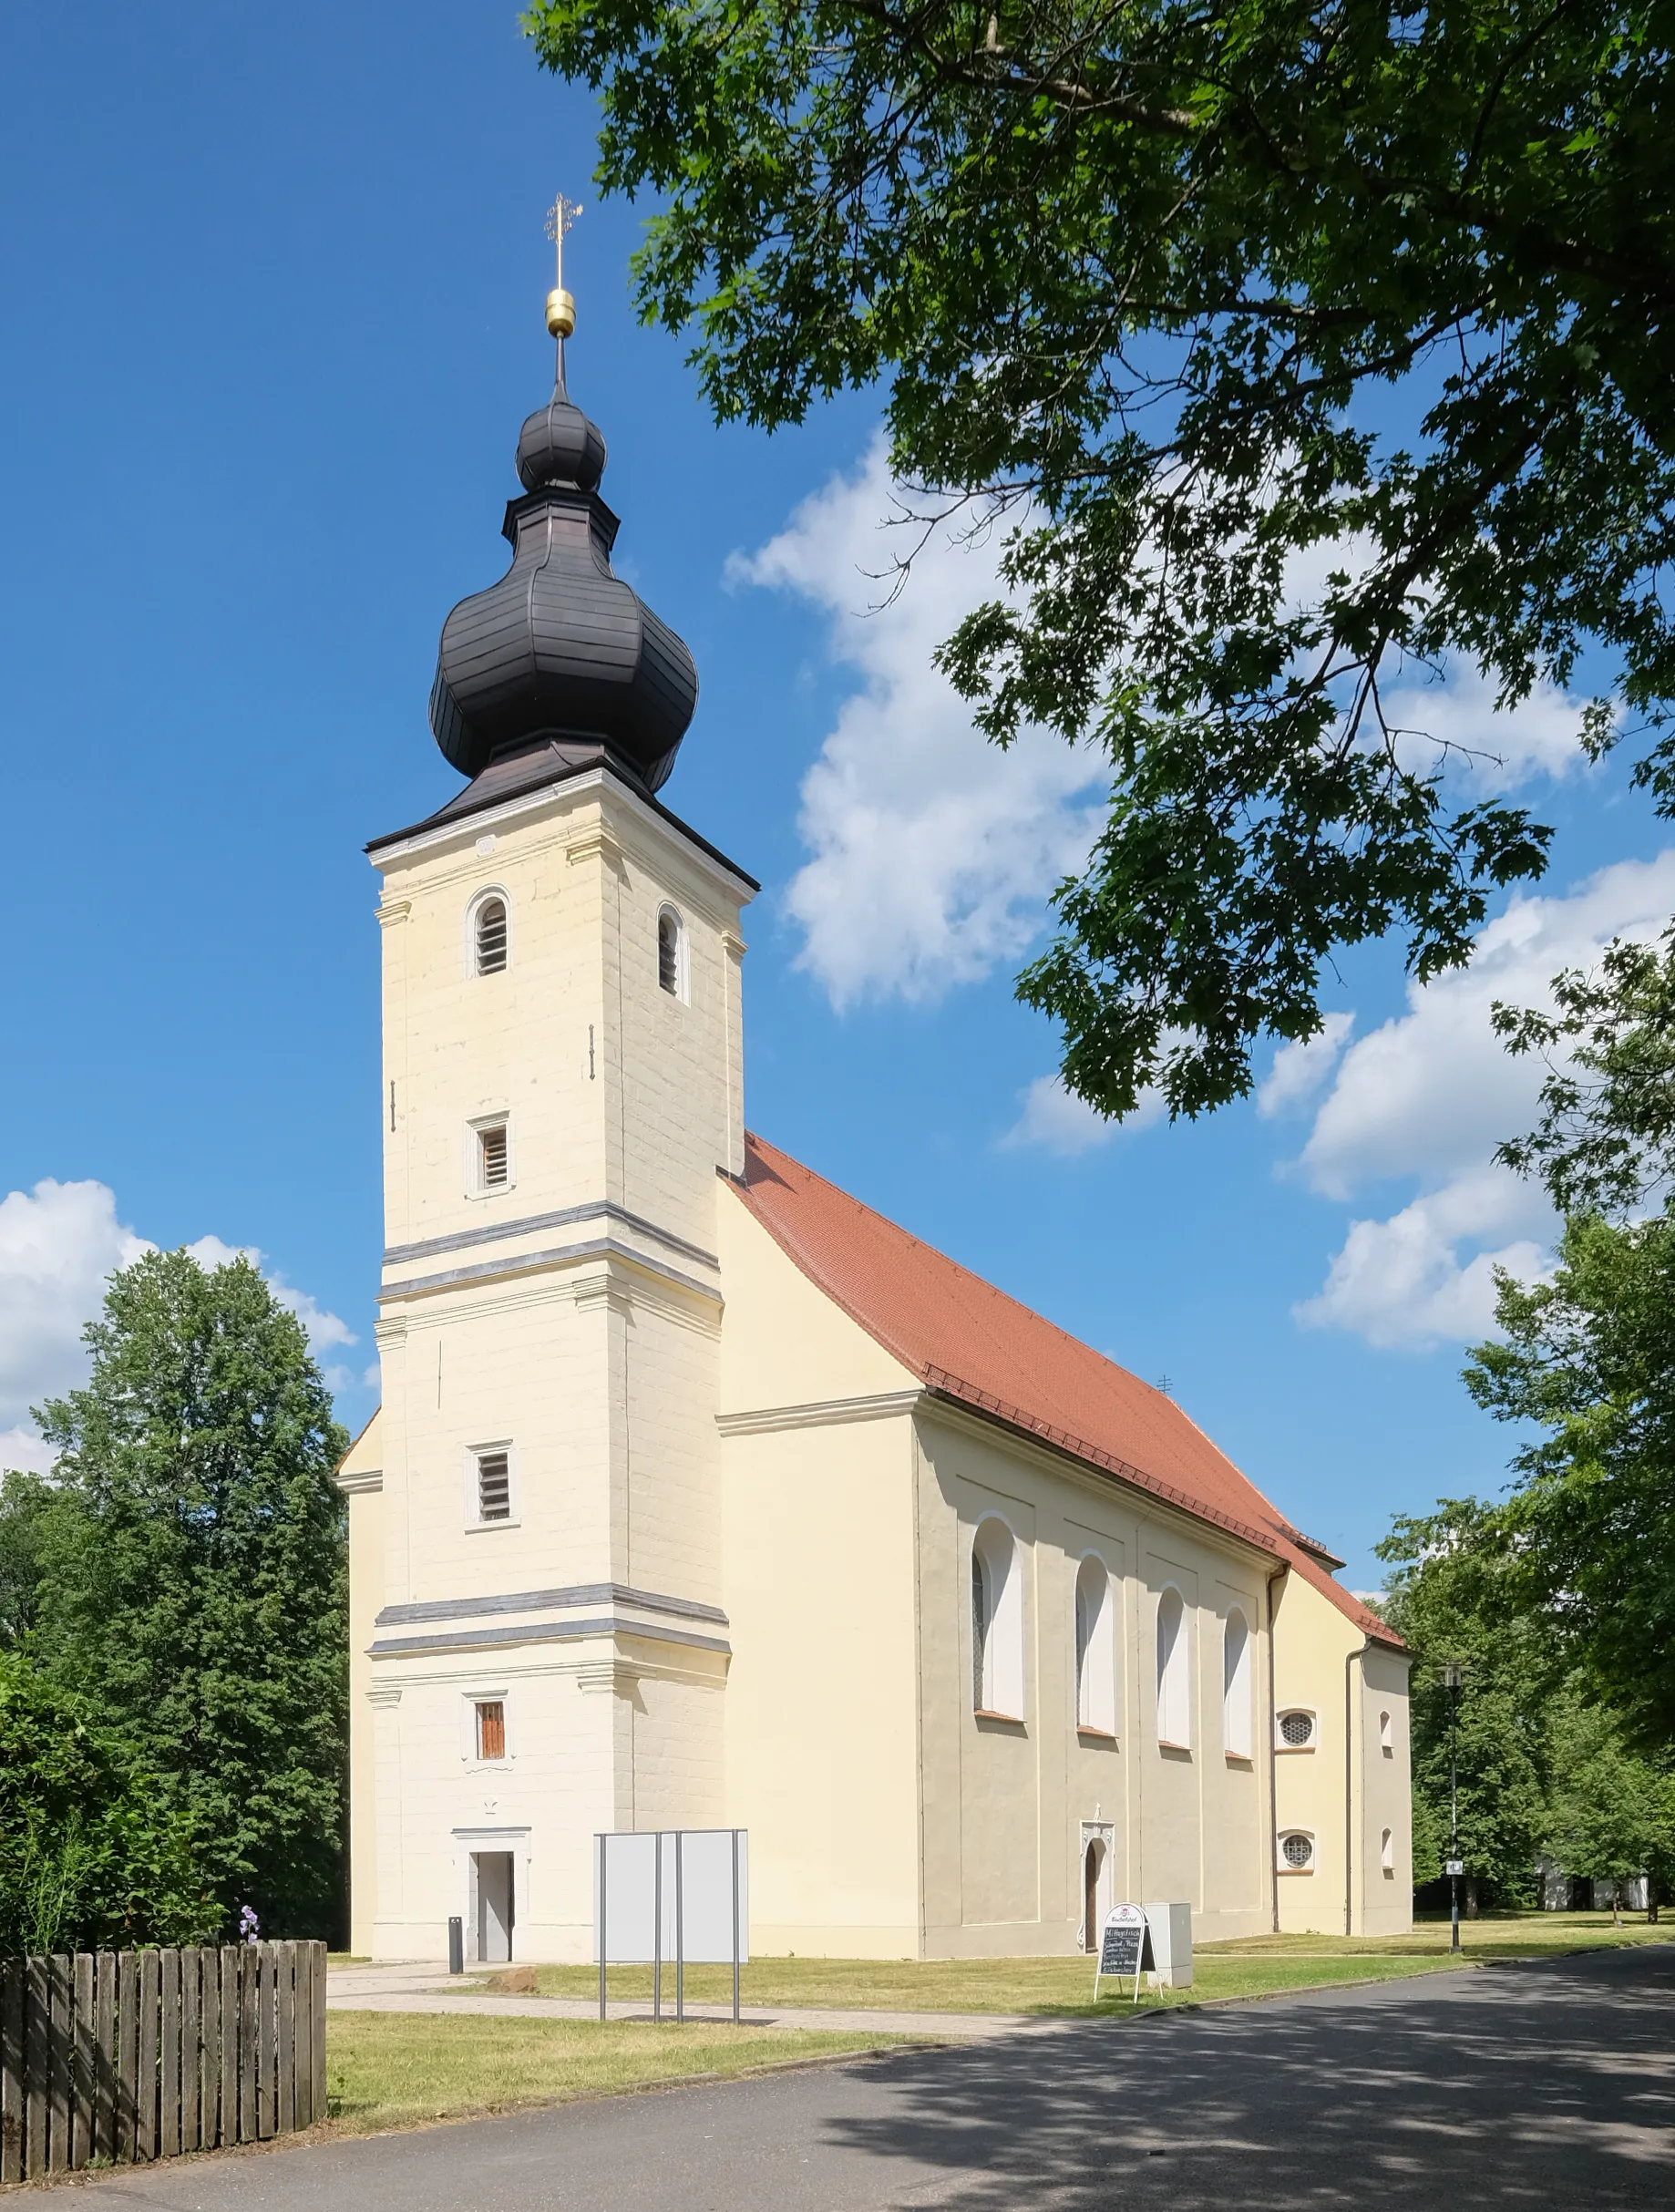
734, 1586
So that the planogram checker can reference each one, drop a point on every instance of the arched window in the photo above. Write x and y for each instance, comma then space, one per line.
980, 1631
1174, 1690
1235, 1688
671, 953
1387, 1736
997, 1622
489, 935
1387, 1853
1095, 1648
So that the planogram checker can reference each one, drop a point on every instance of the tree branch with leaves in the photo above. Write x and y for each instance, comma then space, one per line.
1142, 280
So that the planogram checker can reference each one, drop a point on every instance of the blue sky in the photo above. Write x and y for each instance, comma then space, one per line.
272, 289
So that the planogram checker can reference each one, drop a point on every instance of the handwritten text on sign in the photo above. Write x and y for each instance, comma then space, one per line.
1123, 1945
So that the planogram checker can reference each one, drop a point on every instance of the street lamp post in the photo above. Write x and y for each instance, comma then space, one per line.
1452, 1671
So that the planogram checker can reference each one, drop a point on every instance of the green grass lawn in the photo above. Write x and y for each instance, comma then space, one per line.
1253, 1966
388, 2069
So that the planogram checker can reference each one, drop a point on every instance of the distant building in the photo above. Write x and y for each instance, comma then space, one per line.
703, 1495
1562, 1892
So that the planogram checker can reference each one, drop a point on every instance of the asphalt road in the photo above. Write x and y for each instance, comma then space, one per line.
1512, 2086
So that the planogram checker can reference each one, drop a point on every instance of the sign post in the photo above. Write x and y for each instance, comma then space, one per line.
1124, 1948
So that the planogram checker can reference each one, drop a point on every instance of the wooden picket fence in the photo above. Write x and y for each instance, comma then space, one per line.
121, 2057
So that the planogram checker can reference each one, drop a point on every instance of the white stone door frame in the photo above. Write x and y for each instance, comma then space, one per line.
1101, 1831
467, 1841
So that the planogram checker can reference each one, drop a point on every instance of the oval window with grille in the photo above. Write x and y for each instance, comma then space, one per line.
1296, 1729
1298, 1850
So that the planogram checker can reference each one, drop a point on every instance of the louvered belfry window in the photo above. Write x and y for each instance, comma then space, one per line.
491, 936
493, 1487
491, 1151
491, 1730
668, 954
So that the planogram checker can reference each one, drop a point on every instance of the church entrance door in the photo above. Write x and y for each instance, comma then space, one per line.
1090, 1898
491, 1874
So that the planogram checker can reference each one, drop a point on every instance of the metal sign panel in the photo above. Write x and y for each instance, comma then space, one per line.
677, 1896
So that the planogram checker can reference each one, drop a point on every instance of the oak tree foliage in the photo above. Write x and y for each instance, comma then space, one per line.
1297, 345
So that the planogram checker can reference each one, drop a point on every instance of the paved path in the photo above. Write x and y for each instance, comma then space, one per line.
1497, 2091
424, 1987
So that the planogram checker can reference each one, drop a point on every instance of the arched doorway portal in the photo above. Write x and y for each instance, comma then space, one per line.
1092, 1860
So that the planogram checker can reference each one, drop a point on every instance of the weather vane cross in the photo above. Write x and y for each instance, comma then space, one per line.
561, 217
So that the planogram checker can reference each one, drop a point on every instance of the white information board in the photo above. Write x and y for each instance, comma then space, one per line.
672, 1897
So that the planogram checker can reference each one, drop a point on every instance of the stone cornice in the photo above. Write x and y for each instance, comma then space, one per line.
824, 1413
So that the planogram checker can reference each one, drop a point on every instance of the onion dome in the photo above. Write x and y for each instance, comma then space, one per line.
562, 657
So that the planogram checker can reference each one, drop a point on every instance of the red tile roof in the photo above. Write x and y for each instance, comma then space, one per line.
967, 1340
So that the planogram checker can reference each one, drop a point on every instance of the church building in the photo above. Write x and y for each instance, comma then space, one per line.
703, 1496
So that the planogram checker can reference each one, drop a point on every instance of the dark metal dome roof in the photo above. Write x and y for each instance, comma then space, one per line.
560, 653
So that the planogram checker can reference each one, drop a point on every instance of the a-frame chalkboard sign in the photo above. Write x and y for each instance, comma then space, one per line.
1124, 1948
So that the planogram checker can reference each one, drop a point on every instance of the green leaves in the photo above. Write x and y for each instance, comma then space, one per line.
1588, 1361
90, 1857
1543, 1760
1605, 1140
1147, 276
191, 1576
1455, 1597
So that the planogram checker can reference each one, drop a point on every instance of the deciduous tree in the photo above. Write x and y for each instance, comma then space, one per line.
193, 1585
1455, 1596
1305, 344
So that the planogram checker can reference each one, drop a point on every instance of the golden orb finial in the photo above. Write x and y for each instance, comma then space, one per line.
560, 307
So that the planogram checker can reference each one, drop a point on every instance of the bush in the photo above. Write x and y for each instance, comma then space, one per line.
89, 1860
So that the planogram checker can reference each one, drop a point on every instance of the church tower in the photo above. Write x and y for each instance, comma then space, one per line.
562, 1089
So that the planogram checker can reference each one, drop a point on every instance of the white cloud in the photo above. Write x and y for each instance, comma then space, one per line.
57, 1245
1300, 1070
1403, 1283
323, 1330
23, 1447
1493, 751
934, 850
1426, 1098
1058, 1121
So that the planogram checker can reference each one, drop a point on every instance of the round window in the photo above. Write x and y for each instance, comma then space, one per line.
1296, 1728
1298, 1850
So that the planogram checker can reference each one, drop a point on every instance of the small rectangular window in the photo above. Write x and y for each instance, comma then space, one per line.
491, 1730
493, 1487
493, 1157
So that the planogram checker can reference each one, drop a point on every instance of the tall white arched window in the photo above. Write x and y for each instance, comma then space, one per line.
489, 933
997, 1622
1236, 1687
1174, 1687
671, 953
1095, 1648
